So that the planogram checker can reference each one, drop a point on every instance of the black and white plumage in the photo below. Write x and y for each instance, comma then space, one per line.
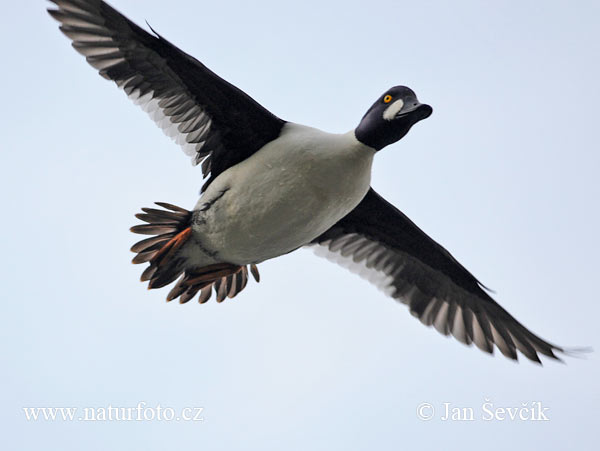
214, 122
379, 242
273, 186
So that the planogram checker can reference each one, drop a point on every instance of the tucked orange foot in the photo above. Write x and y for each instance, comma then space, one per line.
171, 230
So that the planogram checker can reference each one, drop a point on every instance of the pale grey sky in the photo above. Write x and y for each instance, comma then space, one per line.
504, 174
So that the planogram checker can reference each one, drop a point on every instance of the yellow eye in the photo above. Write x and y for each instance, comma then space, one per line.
387, 99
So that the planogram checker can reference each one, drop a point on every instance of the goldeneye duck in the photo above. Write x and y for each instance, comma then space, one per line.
274, 186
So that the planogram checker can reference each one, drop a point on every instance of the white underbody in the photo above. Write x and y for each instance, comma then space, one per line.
282, 197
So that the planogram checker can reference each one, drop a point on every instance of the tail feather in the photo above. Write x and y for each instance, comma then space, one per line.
148, 273
151, 243
225, 279
171, 228
205, 295
172, 207
151, 229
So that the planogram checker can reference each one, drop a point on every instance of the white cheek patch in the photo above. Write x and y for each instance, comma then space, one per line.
391, 111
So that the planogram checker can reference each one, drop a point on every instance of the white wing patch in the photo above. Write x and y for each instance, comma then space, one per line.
357, 254
175, 112
391, 111
178, 117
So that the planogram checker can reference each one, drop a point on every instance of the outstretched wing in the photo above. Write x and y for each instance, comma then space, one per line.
216, 123
379, 242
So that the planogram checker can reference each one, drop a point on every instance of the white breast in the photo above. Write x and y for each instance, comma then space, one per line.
285, 195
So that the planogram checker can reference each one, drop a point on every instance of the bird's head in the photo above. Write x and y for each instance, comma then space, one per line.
391, 117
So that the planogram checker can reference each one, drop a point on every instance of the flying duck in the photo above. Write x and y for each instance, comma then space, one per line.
274, 186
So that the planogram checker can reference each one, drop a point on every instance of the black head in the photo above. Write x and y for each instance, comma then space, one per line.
391, 117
